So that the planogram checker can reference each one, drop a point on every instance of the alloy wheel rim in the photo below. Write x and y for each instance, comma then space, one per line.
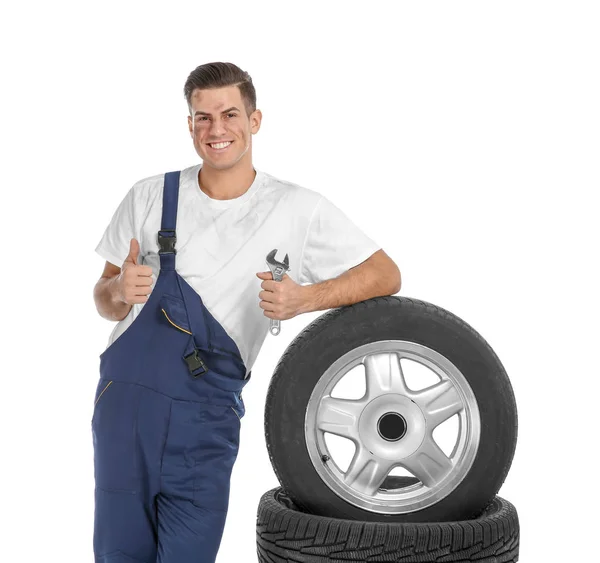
392, 426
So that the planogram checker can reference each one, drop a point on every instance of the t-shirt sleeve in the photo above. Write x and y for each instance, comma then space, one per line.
333, 244
114, 244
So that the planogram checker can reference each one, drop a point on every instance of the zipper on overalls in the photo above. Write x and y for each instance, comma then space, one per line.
175, 325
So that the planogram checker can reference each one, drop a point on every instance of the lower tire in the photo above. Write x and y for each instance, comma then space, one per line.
285, 534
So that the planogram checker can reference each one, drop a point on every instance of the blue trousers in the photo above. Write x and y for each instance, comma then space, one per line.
166, 423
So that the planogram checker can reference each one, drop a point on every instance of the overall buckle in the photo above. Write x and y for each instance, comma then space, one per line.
167, 243
195, 363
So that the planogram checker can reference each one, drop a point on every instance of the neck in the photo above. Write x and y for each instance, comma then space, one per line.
225, 184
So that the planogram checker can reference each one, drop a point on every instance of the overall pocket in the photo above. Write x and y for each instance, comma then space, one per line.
114, 433
103, 385
215, 450
237, 414
174, 312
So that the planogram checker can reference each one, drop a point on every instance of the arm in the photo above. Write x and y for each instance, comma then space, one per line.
378, 275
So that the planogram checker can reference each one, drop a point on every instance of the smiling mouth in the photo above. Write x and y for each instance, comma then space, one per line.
213, 148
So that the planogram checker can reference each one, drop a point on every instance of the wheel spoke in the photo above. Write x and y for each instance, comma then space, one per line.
366, 472
429, 463
439, 402
339, 416
384, 375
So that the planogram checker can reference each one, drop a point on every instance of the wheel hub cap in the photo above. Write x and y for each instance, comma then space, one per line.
391, 427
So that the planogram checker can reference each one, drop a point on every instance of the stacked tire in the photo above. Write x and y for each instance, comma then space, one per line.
406, 470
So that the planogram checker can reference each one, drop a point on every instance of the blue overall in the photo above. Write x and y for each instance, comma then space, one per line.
166, 423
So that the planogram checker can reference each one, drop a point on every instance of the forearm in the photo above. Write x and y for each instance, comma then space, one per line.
107, 303
357, 284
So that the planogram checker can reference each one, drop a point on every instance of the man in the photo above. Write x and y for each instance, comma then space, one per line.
168, 406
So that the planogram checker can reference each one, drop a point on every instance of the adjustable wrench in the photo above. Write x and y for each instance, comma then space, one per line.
277, 269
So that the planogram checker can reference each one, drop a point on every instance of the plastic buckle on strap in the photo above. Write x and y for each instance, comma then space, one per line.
167, 243
195, 363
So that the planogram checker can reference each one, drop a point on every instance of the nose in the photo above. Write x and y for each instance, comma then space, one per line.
217, 128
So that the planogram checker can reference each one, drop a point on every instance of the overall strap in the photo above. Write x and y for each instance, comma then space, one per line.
166, 235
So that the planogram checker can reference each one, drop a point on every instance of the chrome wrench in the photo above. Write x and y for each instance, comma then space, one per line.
277, 269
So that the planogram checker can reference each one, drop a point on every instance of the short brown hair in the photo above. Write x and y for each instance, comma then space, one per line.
220, 75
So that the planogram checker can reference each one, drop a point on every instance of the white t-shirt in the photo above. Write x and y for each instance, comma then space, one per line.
222, 244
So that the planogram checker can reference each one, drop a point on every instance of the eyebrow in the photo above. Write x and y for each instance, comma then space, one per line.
198, 112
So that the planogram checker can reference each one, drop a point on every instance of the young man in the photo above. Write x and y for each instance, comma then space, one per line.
185, 277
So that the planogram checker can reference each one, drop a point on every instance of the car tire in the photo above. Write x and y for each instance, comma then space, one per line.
285, 534
383, 333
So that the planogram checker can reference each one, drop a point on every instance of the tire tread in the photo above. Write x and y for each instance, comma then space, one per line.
492, 537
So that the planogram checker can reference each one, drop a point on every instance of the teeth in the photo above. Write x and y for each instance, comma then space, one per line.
220, 145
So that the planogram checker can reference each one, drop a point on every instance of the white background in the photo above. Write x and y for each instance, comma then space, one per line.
462, 136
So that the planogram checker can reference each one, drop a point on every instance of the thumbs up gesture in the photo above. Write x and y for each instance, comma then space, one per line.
134, 281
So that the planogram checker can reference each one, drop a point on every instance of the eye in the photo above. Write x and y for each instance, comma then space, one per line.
234, 114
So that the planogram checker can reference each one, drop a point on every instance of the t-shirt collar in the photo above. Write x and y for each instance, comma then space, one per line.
222, 203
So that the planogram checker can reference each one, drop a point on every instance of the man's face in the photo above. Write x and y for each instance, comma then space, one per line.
219, 115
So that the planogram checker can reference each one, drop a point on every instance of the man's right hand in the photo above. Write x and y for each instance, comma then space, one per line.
134, 282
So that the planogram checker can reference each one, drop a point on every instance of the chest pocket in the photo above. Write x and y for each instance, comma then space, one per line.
174, 312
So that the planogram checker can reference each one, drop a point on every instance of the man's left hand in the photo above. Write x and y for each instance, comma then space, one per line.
283, 299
